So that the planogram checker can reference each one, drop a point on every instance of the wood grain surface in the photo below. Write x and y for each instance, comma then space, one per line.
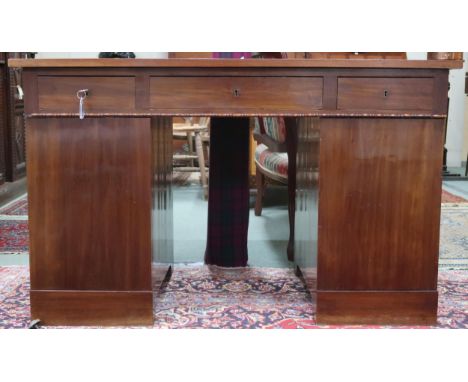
263, 94
379, 204
89, 191
105, 93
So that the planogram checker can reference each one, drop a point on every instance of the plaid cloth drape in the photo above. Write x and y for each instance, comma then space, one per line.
228, 201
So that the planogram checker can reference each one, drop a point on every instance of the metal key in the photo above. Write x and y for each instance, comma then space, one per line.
81, 95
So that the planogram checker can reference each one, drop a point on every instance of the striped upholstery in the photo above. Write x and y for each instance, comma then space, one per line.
276, 163
274, 128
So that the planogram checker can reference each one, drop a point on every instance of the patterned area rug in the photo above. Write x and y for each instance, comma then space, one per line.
454, 237
211, 297
18, 207
14, 236
448, 197
14, 233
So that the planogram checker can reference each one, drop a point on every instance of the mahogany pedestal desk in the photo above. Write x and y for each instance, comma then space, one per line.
370, 137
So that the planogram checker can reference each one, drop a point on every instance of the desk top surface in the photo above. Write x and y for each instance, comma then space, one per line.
234, 63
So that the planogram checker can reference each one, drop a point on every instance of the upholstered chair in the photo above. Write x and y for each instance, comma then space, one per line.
275, 158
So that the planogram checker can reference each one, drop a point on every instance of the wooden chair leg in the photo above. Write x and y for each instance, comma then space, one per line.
201, 163
208, 153
260, 181
190, 146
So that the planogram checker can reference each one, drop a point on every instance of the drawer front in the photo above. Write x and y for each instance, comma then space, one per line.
236, 94
106, 94
386, 94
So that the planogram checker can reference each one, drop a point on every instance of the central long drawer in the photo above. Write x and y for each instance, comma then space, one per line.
266, 94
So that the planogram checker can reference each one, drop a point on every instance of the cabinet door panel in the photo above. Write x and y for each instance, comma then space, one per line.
379, 215
89, 184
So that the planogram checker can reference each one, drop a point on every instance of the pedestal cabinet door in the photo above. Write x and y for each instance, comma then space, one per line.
89, 187
379, 214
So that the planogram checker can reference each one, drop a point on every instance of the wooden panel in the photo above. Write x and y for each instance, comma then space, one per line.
390, 94
58, 93
89, 190
92, 307
379, 210
377, 308
234, 94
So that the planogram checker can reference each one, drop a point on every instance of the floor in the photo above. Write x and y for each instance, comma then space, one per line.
11, 190
268, 234
456, 187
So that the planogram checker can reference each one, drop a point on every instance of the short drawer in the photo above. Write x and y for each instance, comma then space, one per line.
236, 94
106, 94
385, 94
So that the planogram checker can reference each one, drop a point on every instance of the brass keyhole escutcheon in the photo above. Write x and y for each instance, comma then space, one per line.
386, 93
236, 92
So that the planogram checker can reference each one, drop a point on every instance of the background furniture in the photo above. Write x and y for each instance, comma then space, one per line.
190, 54
3, 116
466, 92
370, 130
275, 158
12, 106
348, 55
194, 133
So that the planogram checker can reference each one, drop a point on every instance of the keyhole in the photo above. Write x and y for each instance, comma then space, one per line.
385, 93
236, 92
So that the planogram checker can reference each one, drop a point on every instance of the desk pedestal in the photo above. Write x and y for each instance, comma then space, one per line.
369, 190
97, 188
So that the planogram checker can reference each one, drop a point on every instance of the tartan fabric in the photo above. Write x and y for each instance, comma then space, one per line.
274, 128
276, 163
228, 200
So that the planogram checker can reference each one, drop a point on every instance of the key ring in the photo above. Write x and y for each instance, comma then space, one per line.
81, 95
